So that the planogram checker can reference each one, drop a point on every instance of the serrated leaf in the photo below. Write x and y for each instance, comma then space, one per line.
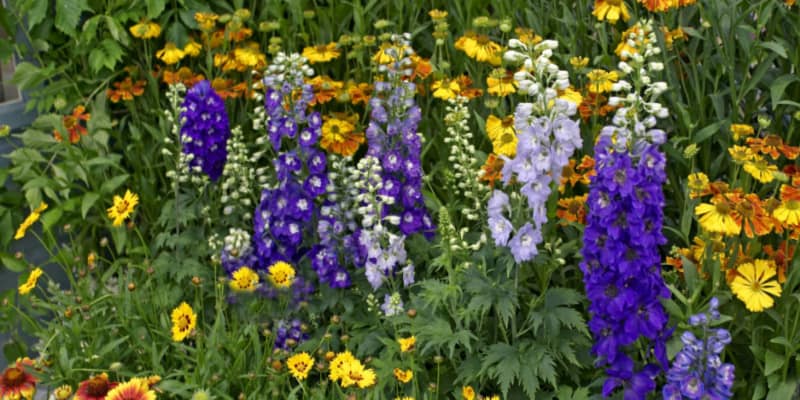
37, 12
27, 76
502, 363
68, 15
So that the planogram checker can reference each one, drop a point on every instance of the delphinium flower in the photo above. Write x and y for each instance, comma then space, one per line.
288, 334
205, 129
285, 215
240, 178
697, 372
462, 154
546, 138
621, 260
393, 138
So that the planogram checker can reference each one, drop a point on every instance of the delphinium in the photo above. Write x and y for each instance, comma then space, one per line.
547, 137
286, 212
697, 372
462, 153
621, 260
205, 129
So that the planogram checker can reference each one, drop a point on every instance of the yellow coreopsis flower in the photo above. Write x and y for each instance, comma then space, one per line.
170, 54
146, 30
184, 321
281, 274
753, 285
244, 280
481, 48
403, 376
741, 154
407, 344
30, 220
468, 393
299, 365
321, 53
610, 10
30, 283
123, 207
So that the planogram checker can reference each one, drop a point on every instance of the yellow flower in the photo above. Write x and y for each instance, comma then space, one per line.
30, 220
739, 131
123, 207
467, 393
299, 365
249, 56
339, 136
244, 280
480, 47
501, 83
403, 376
170, 54
367, 378
788, 212
134, 389
719, 217
741, 154
321, 53
183, 321
340, 364
698, 184
753, 285
206, 21
579, 62
192, 49
62, 392
29, 284
349, 371
610, 10
437, 14
407, 344
146, 30
571, 95
281, 274
501, 132
601, 80
760, 169
445, 89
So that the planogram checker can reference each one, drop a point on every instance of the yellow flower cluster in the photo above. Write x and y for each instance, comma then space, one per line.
348, 371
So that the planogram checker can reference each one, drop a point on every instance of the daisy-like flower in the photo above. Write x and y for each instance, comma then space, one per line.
571, 95
437, 15
325, 89
755, 220
126, 90
579, 62
754, 286
170, 54
719, 216
134, 389
760, 169
30, 220
281, 274
481, 48
299, 365
95, 388
123, 207
501, 83
610, 10
403, 376
739, 131
501, 133
321, 53
698, 185
659, 5
184, 321
741, 154
145, 30
467, 393
62, 392
339, 136
192, 49
30, 283
249, 57
788, 212
445, 89
359, 93
601, 81
183, 75
774, 146
407, 344
16, 382
72, 123
572, 209
670, 36
206, 21
244, 280
492, 169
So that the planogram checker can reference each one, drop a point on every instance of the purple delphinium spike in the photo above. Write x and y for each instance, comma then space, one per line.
205, 130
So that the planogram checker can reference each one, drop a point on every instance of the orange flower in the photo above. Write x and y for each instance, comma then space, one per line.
773, 145
755, 220
572, 209
72, 123
359, 93
183, 75
240, 34
226, 89
95, 388
16, 382
569, 175
658, 5
422, 67
325, 89
782, 256
339, 136
492, 169
594, 104
465, 83
126, 90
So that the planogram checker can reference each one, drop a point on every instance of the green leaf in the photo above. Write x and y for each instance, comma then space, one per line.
51, 217
68, 15
12, 263
88, 201
155, 7
27, 76
778, 87
37, 12
112, 184
502, 363
772, 362
785, 390
776, 47
705, 133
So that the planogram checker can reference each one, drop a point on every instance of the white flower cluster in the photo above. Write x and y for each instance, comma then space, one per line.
637, 97
287, 68
181, 171
341, 192
540, 77
237, 242
462, 154
240, 176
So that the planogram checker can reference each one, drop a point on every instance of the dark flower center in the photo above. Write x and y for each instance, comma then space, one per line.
98, 386
13, 377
